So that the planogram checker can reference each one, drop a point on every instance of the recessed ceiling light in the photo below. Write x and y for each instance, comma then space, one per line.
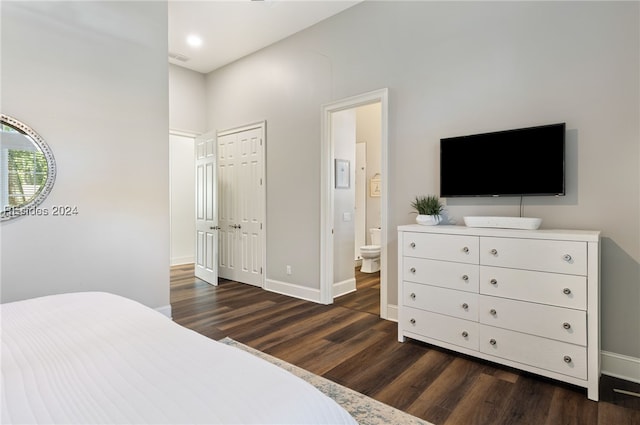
194, 41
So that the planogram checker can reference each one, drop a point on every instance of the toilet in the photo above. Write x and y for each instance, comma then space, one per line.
371, 253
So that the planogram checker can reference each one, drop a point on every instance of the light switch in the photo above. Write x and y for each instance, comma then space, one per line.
346, 216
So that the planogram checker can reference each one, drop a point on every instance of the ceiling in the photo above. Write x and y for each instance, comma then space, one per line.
231, 29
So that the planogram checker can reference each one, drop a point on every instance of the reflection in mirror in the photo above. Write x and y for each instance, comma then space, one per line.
27, 169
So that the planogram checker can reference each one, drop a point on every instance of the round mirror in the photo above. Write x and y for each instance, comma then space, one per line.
27, 169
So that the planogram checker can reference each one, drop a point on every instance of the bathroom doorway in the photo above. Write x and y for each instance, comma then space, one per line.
339, 213
368, 181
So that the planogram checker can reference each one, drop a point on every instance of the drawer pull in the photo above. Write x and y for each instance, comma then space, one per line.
493, 341
413, 321
566, 325
567, 359
493, 312
412, 244
465, 278
413, 296
465, 249
465, 306
567, 258
412, 269
566, 291
493, 282
494, 252
465, 334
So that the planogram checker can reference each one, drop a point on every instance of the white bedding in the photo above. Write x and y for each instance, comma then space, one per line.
89, 358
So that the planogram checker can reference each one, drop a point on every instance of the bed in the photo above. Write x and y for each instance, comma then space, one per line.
98, 358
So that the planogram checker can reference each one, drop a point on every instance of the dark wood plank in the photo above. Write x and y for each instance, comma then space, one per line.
483, 402
528, 402
567, 407
384, 362
440, 398
407, 386
367, 295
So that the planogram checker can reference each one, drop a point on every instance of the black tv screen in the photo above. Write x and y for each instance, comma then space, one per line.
521, 162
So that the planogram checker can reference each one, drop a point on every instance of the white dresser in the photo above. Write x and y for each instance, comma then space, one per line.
528, 299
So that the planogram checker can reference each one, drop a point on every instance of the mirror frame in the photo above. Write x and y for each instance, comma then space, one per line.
51, 169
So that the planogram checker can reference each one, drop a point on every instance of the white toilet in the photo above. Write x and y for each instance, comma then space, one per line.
371, 253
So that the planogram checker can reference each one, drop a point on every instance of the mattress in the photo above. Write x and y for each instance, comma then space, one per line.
98, 358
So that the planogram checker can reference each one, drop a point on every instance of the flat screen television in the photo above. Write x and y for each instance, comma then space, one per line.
521, 162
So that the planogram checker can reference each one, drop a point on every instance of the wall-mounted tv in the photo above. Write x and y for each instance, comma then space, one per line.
521, 162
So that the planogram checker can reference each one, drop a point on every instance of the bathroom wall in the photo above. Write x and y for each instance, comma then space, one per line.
368, 127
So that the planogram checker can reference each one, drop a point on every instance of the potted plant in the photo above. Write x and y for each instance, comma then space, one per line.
429, 210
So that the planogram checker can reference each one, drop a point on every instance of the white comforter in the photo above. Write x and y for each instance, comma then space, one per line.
89, 358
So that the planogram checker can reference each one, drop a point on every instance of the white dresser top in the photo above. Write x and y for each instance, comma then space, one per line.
569, 235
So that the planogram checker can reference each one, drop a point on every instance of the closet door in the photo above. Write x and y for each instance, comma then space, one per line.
241, 204
206, 210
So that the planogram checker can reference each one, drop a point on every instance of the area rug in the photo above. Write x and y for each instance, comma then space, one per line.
365, 410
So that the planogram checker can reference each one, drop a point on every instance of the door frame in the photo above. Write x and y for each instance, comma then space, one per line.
327, 192
262, 125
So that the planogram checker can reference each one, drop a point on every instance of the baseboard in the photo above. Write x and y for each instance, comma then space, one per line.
166, 310
178, 261
620, 366
292, 290
392, 313
345, 287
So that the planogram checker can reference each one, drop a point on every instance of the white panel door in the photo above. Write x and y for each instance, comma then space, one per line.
206, 209
241, 209
227, 216
250, 209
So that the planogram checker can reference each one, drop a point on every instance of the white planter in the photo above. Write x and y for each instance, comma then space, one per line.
428, 220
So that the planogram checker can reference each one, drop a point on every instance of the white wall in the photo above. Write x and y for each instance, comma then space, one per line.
91, 79
183, 199
457, 68
187, 119
343, 133
187, 101
286, 92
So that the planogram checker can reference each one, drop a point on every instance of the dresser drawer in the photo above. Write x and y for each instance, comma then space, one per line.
560, 357
566, 257
457, 248
461, 276
546, 288
441, 300
442, 328
562, 324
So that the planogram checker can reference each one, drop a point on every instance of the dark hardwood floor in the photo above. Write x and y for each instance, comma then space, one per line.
367, 296
348, 343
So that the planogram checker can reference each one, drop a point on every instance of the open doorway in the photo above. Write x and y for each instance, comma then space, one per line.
182, 197
339, 114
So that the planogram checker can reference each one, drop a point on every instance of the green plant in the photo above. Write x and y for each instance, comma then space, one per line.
427, 205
